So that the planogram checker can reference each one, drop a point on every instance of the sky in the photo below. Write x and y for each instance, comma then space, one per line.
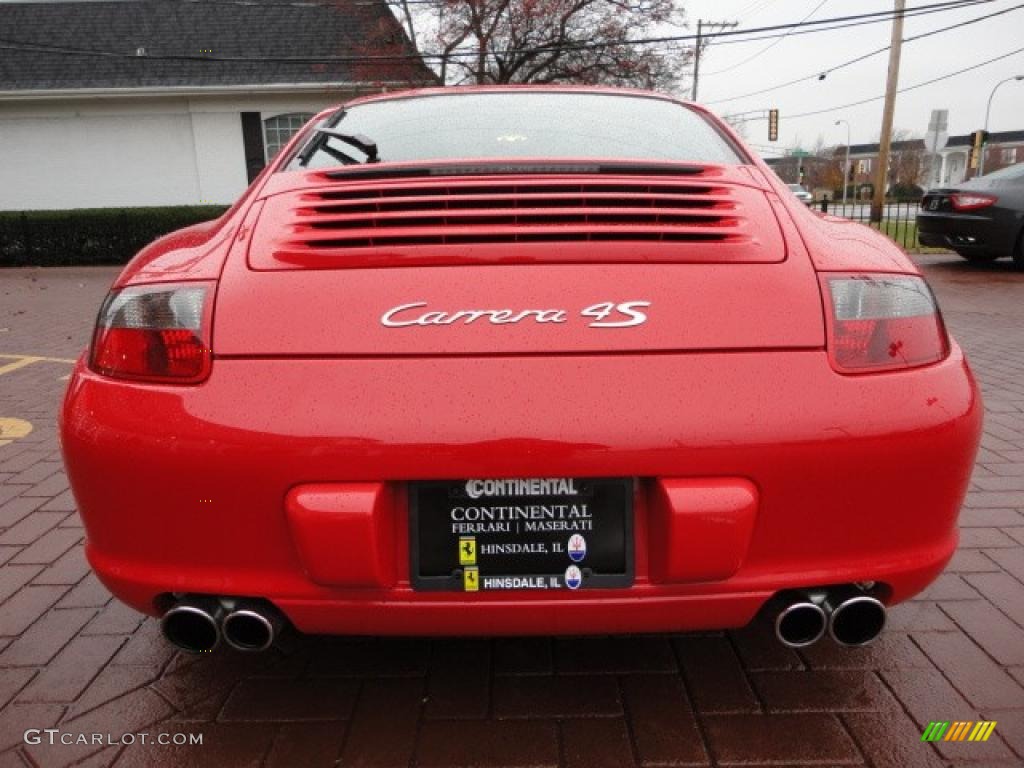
964, 96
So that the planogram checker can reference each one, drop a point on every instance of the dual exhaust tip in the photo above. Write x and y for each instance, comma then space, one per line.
197, 624
851, 616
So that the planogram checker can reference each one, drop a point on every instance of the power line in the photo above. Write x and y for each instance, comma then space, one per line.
858, 19
756, 7
880, 16
815, 76
835, 68
979, 65
766, 48
794, 28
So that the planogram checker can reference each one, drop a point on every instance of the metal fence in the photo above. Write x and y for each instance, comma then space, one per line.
899, 219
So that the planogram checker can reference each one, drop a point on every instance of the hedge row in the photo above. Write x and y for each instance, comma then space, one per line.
89, 235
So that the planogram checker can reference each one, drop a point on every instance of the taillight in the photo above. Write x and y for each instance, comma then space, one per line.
156, 333
882, 322
963, 201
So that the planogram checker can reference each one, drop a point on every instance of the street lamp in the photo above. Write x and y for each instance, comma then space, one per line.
988, 109
846, 167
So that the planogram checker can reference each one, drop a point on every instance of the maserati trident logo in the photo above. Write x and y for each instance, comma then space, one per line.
605, 314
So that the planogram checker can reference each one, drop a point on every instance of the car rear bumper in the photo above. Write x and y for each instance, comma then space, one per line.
965, 233
185, 489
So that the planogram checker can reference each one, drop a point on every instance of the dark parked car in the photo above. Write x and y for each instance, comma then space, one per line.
981, 219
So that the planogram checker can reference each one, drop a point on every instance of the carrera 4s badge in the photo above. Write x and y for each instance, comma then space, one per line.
605, 314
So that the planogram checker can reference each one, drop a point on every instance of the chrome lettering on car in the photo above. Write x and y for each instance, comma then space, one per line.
628, 308
604, 314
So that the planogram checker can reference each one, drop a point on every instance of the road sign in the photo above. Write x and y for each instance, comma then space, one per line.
939, 121
935, 139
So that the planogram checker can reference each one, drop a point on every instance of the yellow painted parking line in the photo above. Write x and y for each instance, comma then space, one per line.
37, 358
17, 364
20, 361
11, 429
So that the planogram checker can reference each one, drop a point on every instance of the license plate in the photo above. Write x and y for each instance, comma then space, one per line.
521, 534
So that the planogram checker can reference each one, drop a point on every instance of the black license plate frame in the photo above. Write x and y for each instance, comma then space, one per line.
603, 506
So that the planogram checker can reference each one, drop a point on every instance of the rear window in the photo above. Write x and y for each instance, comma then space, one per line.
523, 125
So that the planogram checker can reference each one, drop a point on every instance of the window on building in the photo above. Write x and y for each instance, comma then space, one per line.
279, 128
864, 166
1009, 155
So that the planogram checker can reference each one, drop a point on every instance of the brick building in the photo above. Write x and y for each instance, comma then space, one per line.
912, 163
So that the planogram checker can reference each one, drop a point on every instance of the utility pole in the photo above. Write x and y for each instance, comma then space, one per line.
719, 25
696, 59
885, 140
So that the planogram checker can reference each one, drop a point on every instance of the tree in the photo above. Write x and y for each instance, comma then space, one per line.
908, 164
818, 149
818, 168
549, 41
824, 172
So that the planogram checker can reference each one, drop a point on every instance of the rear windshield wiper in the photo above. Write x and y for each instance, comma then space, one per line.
327, 131
363, 143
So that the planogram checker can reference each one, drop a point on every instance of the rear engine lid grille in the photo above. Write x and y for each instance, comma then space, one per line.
457, 221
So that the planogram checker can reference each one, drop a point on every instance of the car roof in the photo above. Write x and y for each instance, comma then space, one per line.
468, 90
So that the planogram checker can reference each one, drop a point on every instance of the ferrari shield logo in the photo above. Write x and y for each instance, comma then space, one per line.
467, 550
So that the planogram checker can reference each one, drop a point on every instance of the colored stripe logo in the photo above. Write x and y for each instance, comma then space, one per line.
959, 730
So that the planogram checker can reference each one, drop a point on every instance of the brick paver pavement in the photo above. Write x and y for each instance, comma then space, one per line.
74, 659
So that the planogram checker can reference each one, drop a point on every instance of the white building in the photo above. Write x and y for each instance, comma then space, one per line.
111, 104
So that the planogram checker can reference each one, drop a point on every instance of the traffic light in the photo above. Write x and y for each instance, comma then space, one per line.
978, 141
773, 125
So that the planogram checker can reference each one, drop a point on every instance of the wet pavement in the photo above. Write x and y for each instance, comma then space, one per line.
74, 660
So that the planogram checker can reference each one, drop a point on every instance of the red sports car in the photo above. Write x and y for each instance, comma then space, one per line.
518, 361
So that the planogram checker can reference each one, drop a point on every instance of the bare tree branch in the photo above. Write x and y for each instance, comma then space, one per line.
553, 41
